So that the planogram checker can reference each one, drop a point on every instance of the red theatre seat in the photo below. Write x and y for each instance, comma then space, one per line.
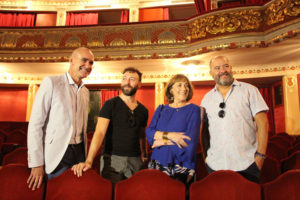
282, 141
68, 186
270, 170
276, 151
284, 187
17, 137
18, 156
150, 184
293, 149
225, 185
13, 184
291, 162
201, 171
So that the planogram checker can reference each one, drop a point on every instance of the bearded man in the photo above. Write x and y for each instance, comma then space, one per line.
238, 125
121, 125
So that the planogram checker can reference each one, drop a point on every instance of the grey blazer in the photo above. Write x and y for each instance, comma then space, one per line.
51, 122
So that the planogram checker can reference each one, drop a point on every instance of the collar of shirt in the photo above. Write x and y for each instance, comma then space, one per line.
71, 82
235, 83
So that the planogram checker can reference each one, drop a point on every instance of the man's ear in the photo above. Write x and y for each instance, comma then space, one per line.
139, 85
70, 59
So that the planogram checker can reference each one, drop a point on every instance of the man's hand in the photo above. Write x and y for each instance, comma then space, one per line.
259, 162
80, 168
36, 177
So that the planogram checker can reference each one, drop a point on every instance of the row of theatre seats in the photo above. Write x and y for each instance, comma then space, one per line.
283, 154
146, 185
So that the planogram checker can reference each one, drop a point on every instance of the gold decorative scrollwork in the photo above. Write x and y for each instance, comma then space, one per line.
118, 42
73, 42
167, 37
30, 44
275, 12
250, 19
198, 28
9, 40
293, 9
227, 22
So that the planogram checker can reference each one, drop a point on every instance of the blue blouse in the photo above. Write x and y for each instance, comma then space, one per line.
184, 119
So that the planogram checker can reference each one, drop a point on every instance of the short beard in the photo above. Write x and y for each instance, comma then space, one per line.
226, 82
130, 92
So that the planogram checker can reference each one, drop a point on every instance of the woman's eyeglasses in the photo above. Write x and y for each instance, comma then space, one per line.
222, 112
131, 119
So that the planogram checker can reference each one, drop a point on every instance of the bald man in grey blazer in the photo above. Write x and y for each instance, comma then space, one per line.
58, 121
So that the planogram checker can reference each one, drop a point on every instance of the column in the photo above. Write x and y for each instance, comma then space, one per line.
291, 104
61, 18
133, 13
159, 93
32, 90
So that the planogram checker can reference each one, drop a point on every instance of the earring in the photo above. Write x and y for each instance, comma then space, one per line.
172, 98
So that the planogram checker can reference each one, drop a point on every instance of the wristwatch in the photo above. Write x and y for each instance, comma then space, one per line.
263, 156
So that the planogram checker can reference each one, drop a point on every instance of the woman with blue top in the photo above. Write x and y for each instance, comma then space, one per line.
174, 132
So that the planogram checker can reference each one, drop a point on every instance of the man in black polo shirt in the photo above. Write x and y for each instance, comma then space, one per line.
121, 124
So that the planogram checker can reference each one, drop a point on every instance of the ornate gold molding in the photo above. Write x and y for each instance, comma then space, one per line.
156, 40
154, 77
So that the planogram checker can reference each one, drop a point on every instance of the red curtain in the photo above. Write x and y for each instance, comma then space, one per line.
267, 95
125, 16
251, 2
166, 14
108, 94
77, 19
151, 14
200, 6
17, 19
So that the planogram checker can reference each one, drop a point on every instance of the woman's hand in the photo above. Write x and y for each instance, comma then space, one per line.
178, 138
80, 168
161, 142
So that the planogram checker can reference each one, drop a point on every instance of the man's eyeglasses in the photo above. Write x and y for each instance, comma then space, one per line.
131, 119
222, 112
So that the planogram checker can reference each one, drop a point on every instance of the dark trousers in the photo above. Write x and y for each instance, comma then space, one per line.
73, 155
252, 173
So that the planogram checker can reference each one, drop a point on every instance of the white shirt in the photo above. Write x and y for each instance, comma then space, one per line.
233, 137
77, 109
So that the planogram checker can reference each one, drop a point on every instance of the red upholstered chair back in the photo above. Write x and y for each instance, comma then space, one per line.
276, 151
270, 170
291, 162
1, 141
68, 186
149, 184
293, 149
285, 136
297, 140
13, 184
225, 185
17, 137
18, 156
3, 136
282, 141
285, 186
201, 171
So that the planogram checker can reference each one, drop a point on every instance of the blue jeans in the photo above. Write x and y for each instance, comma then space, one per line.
73, 155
